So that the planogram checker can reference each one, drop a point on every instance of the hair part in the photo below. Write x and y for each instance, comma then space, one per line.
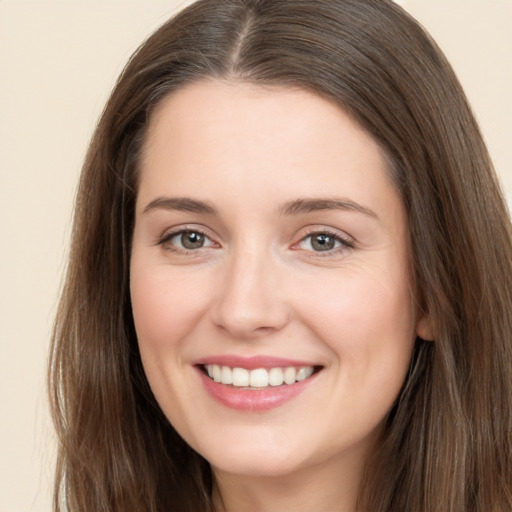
448, 440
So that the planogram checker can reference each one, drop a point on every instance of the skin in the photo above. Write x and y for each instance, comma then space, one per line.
258, 286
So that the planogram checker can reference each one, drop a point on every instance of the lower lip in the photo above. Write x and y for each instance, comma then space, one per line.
256, 400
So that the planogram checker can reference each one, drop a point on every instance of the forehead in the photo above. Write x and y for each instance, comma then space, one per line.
209, 108
247, 140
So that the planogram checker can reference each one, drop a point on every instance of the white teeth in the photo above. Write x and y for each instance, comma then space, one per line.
216, 373
240, 377
226, 375
258, 378
275, 377
304, 373
289, 375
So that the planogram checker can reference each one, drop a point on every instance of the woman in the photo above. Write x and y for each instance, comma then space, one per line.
289, 284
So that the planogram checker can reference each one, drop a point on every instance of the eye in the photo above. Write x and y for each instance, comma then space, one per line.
188, 240
323, 242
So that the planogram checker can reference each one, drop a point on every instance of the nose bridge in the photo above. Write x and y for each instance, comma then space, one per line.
250, 300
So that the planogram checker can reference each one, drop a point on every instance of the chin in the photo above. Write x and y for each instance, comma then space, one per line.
260, 456
257, 467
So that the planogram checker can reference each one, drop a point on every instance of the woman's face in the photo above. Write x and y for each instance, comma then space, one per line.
270, 244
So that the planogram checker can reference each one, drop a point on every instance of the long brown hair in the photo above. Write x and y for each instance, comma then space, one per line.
448, 440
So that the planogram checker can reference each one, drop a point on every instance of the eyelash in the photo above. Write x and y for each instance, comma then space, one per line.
166, 238
345, 243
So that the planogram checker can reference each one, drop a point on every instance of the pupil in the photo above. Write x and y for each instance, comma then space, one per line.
192, 240
322, 242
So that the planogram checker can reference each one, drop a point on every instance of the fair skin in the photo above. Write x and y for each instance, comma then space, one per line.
290, 247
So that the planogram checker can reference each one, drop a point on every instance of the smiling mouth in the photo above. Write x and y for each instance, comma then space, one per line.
259, 378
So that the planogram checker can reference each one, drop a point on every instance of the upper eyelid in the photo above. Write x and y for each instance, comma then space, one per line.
346, 243
174, 234
169, 233
318, 229
173, 231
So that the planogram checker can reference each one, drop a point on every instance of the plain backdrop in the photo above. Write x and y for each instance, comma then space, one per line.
58, 62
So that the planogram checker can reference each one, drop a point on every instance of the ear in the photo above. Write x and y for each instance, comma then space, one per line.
424, 329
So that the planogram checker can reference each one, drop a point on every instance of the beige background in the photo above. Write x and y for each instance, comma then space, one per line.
58, 61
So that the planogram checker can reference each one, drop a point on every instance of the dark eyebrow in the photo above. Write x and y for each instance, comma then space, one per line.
183, 204
306, 205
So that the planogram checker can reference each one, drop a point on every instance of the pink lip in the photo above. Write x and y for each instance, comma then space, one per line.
251, 363
252, 400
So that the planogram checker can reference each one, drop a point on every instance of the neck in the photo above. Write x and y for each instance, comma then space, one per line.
327, 487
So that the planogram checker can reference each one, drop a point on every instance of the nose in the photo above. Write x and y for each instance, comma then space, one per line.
251, 296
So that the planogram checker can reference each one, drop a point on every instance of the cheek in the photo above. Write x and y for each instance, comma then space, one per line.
367, 321
165, 306
360, 302
166, 309
369, 329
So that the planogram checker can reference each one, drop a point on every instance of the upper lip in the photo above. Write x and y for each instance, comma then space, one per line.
251, 363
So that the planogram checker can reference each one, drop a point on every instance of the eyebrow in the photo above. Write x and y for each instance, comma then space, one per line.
183, 204
306, 205
295, 207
